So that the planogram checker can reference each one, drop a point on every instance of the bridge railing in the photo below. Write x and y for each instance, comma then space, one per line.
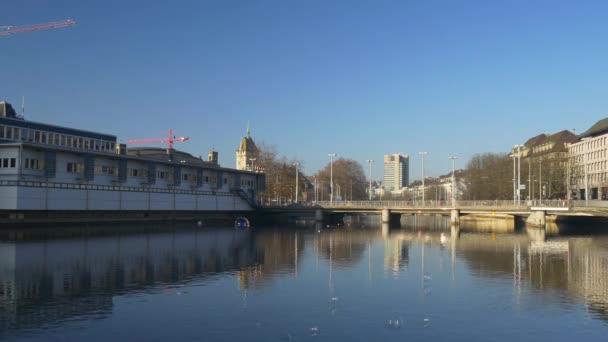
420, 204
466, 204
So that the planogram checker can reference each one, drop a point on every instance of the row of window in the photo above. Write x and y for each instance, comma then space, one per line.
49, 138
589, 144
6, 163
580, 159
164, 175
33, 164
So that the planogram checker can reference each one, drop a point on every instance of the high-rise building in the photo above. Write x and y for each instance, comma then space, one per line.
396, 171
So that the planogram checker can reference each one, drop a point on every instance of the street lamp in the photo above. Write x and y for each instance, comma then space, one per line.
422, 154
331, 177
297, 171
518, 173
252, 160
316, 192
453, 159
370, 162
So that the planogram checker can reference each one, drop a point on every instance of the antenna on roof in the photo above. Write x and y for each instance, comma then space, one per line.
247, 128
23, 106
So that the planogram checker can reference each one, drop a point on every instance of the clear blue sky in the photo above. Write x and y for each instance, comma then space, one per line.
358, 78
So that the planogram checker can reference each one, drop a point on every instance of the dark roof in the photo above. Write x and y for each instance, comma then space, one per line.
161, 155
537, 140
599, 128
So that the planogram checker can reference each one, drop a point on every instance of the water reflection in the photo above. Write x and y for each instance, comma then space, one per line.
47, 279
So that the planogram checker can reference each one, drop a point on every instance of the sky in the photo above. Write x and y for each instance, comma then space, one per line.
357, 78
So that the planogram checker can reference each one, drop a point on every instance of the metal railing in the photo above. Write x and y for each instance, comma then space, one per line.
504, 204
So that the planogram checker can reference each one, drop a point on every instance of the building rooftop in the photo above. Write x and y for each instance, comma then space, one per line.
599, 128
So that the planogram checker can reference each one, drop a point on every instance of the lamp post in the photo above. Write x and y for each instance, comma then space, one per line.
422, 154
514, 180
297, 171
518, 173
370, 162
316, 199
252, 160
453, 159
331, 177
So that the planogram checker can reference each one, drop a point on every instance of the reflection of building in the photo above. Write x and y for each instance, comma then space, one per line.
396, 172
275, 252
589, 162
43, 281
396, 254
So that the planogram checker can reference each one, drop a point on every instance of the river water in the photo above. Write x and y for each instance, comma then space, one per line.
358, 282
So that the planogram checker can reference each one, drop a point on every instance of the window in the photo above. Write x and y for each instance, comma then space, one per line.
206, 179
74, 168
225, 180
5, 162
162, 174
13, 162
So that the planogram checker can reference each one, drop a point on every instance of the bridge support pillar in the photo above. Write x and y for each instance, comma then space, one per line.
319, 215
537, 219
455, 217
386, 216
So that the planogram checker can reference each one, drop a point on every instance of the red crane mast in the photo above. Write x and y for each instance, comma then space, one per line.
169, 140
6, 30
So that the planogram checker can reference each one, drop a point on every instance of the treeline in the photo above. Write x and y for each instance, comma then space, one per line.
348, 176
489, 176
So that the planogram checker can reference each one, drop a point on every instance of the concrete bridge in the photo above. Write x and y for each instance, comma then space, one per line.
535, 212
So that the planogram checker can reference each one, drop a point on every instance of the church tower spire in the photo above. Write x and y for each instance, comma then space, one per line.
246, 152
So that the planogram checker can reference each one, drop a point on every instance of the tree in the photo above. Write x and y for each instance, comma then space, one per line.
349, 180
489, 176
280, 175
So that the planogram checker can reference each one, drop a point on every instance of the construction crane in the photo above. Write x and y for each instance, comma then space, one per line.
169, 140
6, 30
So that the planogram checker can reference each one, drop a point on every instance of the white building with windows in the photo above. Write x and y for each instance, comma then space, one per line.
51, 168
589, 163
396, 172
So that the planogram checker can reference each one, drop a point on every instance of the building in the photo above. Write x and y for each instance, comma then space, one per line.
46, 168
396, 172
589, 163
544, 165
247, 153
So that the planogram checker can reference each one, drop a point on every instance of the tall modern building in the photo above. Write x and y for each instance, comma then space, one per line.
396, 171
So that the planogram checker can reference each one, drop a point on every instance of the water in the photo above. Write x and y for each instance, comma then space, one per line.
355, 283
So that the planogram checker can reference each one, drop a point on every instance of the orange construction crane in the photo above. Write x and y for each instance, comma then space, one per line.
6, 30
169, 140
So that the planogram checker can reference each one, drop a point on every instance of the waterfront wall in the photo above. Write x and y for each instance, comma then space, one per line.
90, 197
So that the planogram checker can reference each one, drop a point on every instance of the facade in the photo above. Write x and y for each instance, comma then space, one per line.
396, 172
50, 168
589, 163
544, 165
246, 153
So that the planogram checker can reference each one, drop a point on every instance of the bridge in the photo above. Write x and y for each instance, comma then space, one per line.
535, 212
